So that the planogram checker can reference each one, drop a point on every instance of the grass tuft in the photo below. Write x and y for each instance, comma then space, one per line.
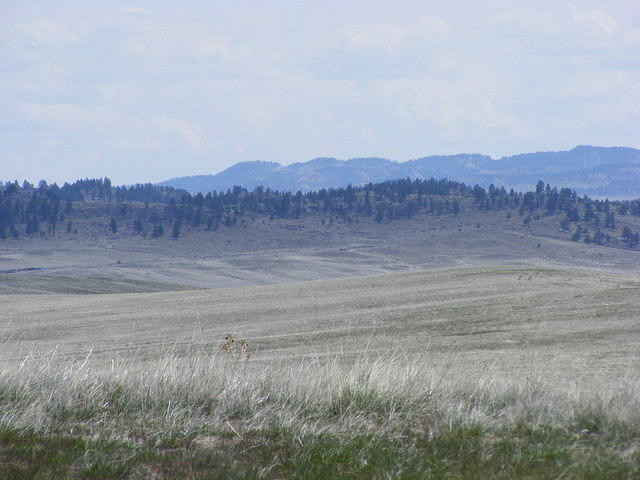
385, 417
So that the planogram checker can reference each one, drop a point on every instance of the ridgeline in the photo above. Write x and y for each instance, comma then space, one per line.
152, 211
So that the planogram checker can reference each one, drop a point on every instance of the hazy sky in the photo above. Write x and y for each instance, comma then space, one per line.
149, 90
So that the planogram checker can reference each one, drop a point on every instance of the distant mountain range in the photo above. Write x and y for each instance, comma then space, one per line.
612, 172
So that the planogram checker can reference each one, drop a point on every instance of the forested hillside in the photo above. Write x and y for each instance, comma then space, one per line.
149, 211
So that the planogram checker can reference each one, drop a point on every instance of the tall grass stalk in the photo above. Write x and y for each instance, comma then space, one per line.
385, 394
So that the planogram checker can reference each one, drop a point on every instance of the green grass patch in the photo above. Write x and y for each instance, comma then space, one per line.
275, 453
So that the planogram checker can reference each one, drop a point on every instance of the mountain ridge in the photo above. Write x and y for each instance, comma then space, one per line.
612, 172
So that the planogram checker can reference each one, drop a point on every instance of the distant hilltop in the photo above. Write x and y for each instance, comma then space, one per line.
612, 172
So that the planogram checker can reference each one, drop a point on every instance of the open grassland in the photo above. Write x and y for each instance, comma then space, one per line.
38, 284
487, 372
263, 252
213, 417
478, 316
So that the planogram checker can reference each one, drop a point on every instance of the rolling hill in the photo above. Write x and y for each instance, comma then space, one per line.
612, 172
506, 312
485, 372
407, 326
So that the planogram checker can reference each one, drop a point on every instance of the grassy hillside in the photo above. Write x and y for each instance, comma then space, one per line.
287, 250
508, 311
146, 238
93, 209
11, 284
486, 372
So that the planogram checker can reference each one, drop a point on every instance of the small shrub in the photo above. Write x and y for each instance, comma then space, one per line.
238, 349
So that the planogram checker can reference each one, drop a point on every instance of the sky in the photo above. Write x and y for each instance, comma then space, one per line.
149, 90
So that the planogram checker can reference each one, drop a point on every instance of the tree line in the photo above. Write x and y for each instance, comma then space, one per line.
156, 211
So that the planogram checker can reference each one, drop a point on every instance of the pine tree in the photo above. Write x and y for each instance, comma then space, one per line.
137, 225
598, 238
176, 229
367, 203
610, 221
577, 234
158, 231
212, 223
588, 212
33, 226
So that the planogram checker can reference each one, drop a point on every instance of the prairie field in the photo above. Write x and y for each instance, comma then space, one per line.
300, 240
469, 372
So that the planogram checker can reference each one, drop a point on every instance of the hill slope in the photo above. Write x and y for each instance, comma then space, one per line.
599, 171
506, 314
508, 372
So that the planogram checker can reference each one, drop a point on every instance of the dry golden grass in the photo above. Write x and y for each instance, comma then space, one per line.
384, 393
578, 322
488, 372
377, 417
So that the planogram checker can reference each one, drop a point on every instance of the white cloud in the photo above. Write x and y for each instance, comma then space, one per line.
209, 47
113, 127
40, 33
468, 105
598, 21
391, 35
190, 134
134, 48
565, 30
522, 22
251, 19
67, 115
133, 9
37, 49
299, 81
407, 49
632, 35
